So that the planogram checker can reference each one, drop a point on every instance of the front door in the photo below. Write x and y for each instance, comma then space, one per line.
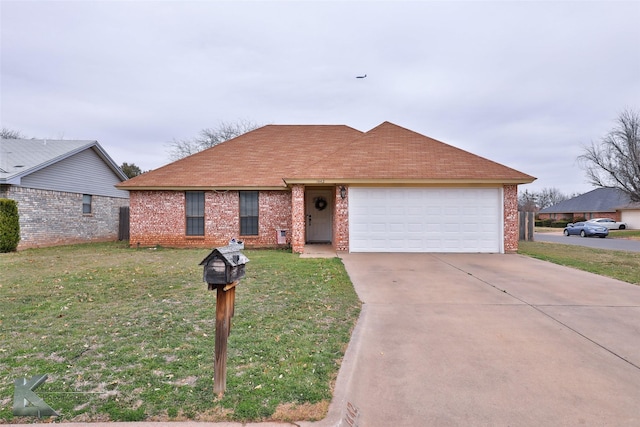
319, 210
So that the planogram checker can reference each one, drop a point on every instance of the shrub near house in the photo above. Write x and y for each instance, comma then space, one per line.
9, 226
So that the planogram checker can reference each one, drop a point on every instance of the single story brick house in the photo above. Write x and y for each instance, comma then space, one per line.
64, 190
598, 203
386, 190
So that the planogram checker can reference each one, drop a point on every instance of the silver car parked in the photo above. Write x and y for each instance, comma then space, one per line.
586, 229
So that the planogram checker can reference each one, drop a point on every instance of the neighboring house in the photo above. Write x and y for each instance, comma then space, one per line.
65, 190
598, 203
386, 190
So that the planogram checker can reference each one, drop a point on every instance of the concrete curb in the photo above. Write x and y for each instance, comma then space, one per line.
338, 406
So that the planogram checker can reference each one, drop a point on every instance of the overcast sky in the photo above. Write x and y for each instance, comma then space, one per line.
526, 84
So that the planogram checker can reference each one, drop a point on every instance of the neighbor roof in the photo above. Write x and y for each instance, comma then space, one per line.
598, 200
21, 157
275, 156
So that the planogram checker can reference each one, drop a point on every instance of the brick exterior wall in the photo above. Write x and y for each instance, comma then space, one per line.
159, 218
588, 215
298, 221
275, 213
511, 231
50, 218
341, 221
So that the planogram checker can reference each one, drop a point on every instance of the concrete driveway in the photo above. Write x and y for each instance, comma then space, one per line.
489, 340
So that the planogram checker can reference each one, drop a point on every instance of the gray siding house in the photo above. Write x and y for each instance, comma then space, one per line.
65, 190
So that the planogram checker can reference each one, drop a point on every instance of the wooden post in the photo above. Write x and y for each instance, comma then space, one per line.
232, 305
225, 301
222, 332
526, 223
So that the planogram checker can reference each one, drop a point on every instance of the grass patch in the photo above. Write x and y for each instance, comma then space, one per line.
548, 229
619, 265
625, 234
613, 234
128, 335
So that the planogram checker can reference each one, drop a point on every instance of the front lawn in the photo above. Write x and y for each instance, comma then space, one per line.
128, 334
621, 265
625, 234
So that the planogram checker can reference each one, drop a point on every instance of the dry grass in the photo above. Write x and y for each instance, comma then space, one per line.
288, 412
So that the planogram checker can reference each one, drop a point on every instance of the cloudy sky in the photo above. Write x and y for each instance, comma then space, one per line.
526, 84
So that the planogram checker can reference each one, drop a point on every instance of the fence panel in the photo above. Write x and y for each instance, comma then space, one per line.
123, 224
526, 222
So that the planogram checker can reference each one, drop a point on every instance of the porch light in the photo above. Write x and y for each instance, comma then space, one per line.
343, 192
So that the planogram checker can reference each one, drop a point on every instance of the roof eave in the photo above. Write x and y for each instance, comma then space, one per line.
11, 180
199, 188
405, 181
109, 161
59, 158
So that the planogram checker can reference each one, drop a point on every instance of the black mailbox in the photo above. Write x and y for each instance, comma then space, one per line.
224, 265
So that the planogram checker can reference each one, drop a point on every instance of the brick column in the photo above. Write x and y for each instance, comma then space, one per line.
298, 220
341, 221
510, 197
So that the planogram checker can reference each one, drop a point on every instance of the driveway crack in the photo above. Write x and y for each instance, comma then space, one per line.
539, 310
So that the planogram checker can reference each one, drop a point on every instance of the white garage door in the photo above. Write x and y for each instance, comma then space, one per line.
425, 219
632, 218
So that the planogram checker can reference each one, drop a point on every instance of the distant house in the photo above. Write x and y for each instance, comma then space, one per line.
385, 190
598, 203
65, 190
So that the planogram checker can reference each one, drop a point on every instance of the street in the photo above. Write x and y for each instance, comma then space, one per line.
591, 242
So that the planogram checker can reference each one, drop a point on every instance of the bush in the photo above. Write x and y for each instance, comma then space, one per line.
9, 226
560, 224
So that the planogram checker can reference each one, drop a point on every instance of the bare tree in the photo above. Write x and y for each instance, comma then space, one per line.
209, 137
532, 201
615, 161
7, 133
549, 197
527, 201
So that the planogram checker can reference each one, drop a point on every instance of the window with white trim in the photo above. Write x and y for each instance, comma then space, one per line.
248, 213
86, 204
195, 213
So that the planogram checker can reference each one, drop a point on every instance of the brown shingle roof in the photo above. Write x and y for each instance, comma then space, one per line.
391, 152
273, 154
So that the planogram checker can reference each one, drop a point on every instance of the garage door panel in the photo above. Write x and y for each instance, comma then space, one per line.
397, 228
425, 220
632, 218
469, 228
415, 228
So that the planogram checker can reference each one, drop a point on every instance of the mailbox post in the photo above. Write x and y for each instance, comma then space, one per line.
223, 268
